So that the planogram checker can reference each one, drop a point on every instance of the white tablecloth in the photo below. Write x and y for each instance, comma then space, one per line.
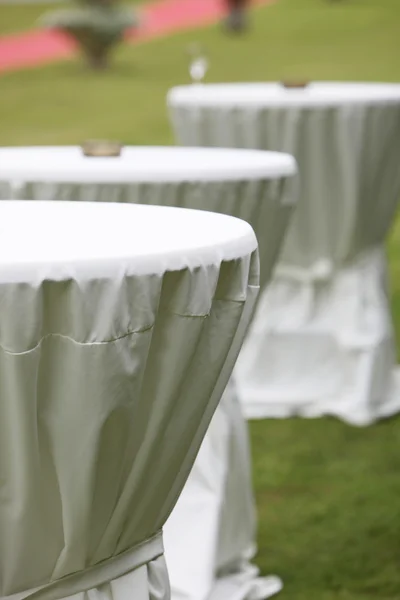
325, 336
119, 328
259, 187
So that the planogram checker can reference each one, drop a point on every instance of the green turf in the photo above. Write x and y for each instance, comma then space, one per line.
19, 17
328, 507
328, 494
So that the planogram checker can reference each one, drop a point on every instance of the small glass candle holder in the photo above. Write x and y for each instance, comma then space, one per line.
198, 65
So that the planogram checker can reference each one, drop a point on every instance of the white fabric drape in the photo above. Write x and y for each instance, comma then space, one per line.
215, 514
119, 329
322, 341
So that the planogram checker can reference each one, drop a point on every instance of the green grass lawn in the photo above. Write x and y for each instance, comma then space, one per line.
328, 494
19, 17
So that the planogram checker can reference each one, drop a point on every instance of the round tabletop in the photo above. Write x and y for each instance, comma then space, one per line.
57, 238
277, 95
142, 164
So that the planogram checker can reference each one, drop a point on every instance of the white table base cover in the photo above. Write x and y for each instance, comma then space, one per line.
210, 536
322, 341
214, 562
330, 350
112, 363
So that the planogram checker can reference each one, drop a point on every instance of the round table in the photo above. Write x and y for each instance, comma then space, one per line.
258, 187
326, 341
119, 329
